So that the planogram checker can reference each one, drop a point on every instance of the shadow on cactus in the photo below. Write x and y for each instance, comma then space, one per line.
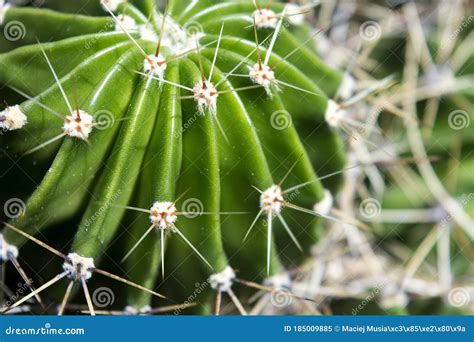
163, 139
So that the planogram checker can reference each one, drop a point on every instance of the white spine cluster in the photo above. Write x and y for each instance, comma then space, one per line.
163, 214
78, 267
79, 124
265, 18
325, 205
7, 251
112, 4
264, 75
3, 10
272, 199
12, 118
222, 281
127, 22
155, 65
205, 94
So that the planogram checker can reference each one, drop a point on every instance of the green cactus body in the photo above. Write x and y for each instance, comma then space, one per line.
158, 145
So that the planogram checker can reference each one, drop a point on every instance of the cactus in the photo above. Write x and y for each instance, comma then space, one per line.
179, 154
143, 118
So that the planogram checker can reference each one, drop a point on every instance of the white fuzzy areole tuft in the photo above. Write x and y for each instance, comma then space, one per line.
163, 214
263, 75
334, 114
222, 281
112, 4
3, 10
206, 95
325, 205
78, 125
272, 199
12, 118
155, 65
127, 22
78, 267
265, 18
7, 251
